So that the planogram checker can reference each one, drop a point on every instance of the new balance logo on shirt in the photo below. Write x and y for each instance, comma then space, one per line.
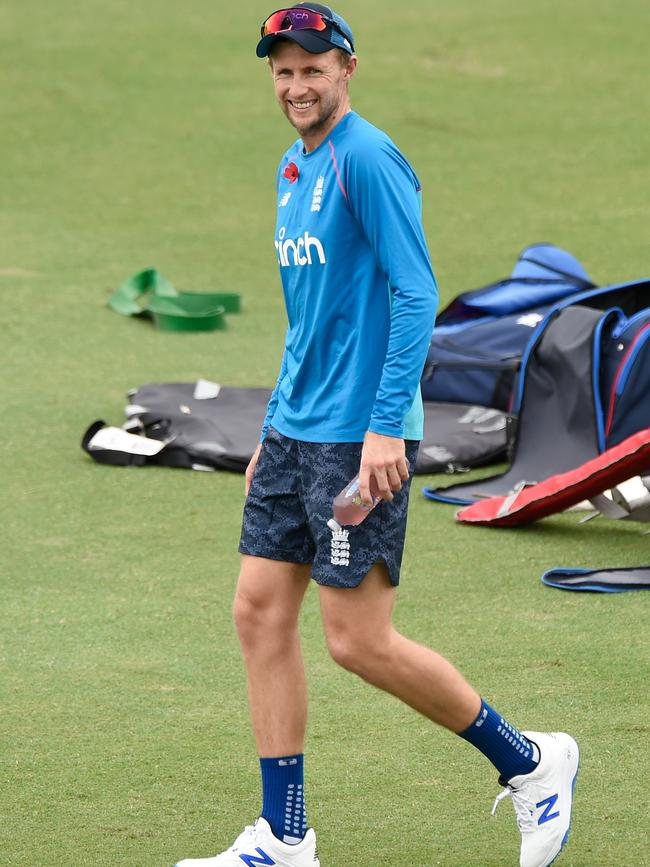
302, 250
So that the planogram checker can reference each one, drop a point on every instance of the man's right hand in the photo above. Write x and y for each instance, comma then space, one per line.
383, 467
250, 469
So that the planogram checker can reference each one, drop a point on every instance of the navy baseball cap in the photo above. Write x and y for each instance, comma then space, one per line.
313, 26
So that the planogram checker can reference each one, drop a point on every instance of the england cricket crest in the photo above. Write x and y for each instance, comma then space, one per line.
340, 547
317, 195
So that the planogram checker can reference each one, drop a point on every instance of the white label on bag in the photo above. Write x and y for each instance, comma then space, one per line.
206, 390
117, 440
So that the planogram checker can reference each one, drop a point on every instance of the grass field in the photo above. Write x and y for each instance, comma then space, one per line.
145, 134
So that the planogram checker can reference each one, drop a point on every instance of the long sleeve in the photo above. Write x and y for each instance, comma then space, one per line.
385, 199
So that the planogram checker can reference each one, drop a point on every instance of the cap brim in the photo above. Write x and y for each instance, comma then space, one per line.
306, 39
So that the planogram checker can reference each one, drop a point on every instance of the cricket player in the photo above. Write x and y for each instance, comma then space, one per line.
360, 296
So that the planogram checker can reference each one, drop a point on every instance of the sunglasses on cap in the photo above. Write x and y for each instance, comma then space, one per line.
297, 18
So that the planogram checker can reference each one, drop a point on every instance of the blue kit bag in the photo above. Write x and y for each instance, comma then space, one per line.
583, 387
479, 338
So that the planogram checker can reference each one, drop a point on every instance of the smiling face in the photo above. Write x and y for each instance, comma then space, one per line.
312, 89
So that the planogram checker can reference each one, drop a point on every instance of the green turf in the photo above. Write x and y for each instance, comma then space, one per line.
145, 134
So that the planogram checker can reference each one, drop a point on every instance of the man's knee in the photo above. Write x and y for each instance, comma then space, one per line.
357, 651
267, 606
258, 615
344, 650
248, 613
358, 624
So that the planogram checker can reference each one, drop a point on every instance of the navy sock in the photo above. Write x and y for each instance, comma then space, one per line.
283, 799
508, 750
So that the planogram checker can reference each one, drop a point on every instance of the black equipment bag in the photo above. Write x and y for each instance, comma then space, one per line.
458, 437
219, 430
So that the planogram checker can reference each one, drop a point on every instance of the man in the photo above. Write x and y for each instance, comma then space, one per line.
360, 297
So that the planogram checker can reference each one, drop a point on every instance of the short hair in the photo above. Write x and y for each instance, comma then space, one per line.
344, 56
341, 53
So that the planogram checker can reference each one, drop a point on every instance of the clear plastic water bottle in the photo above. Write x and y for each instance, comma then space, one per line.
348, 509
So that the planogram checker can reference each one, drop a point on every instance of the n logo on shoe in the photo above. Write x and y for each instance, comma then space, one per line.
252, 860
546, 814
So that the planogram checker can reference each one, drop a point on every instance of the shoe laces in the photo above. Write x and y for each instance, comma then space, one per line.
524, 808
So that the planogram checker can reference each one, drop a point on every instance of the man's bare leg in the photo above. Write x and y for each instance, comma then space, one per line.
538, 768
361, 637
266, 610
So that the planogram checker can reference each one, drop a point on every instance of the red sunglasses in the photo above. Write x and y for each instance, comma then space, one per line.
295, 19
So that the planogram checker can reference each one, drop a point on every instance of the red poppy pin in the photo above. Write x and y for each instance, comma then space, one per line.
291, 172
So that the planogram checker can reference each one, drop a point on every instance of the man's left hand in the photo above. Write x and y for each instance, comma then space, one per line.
383, 467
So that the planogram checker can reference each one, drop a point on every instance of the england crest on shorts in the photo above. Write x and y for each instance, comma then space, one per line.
340, 548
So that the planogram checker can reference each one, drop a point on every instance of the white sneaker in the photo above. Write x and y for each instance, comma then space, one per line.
257, 845
543, 798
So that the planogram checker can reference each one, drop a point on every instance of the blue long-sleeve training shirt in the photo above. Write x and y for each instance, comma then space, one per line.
358, 286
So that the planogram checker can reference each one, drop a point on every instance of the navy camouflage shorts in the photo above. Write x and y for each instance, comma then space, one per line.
290, 503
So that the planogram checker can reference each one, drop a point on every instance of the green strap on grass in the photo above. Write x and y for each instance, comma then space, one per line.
149, 293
